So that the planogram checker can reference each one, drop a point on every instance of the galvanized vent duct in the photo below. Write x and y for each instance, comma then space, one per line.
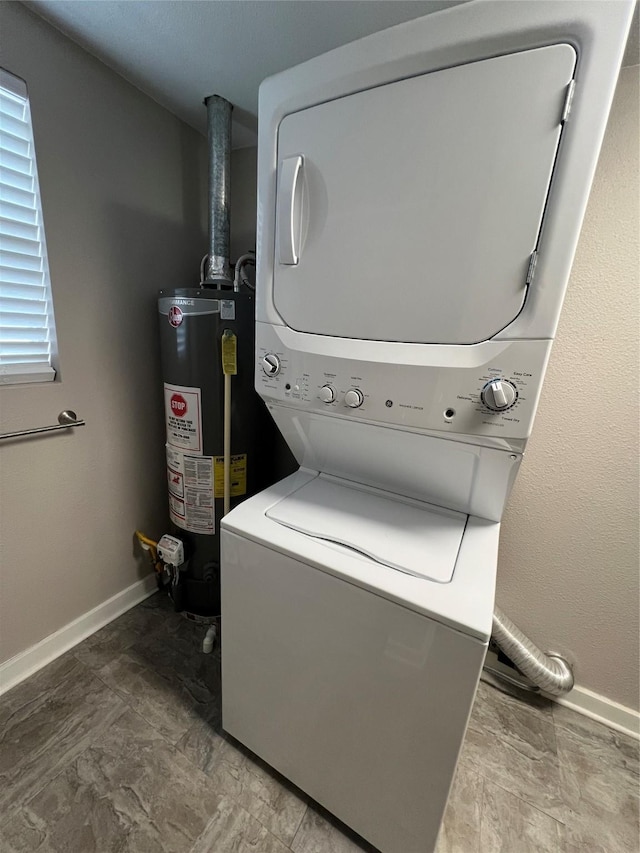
217, 270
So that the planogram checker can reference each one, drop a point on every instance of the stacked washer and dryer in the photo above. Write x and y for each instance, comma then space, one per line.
420, 196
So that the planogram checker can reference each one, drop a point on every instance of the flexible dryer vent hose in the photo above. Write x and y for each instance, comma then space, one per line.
551, 673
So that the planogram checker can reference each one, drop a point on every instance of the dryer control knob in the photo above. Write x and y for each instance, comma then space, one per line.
499, 395
271, 364
354, 398
327, 394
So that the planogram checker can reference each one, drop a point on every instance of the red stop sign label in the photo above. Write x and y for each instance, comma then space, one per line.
178, 405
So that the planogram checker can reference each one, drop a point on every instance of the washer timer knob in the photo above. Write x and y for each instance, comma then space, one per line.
499, 394
271, 364
327, 394
354, 398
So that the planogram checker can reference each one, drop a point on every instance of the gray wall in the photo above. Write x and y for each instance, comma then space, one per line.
243, 201
122, 193
568, 568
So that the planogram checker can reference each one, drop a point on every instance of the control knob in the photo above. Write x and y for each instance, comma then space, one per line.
499, 394
354, 398
271, 364
327, 394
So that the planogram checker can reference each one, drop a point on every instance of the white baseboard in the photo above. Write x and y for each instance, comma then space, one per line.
604, 710
580, 699
24, 664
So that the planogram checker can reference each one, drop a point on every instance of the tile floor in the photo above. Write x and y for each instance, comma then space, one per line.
117, 747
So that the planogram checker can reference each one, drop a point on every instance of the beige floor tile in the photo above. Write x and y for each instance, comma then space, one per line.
234, 771
233, 830
317, 834
45, 723
600, 783
129, 792
509, 825
460, 831
513, 745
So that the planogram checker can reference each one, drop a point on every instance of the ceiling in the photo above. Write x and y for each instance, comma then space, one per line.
179, 51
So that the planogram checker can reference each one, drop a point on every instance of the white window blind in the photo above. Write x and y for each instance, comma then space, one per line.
27, 329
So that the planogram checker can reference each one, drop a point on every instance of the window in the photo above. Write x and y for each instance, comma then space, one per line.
27, 329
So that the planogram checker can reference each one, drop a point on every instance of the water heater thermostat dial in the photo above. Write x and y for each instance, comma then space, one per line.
498, 395
271, 364
327, 394
354, 398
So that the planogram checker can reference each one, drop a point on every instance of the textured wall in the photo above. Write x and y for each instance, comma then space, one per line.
568, 569
243, 201
123, 200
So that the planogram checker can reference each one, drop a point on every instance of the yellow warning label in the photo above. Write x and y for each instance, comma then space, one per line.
238, 475
229, 353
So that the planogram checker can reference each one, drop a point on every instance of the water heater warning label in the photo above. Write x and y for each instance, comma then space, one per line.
238, 475
191, 500
183, 416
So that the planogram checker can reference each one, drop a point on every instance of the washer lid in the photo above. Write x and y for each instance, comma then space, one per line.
412, 537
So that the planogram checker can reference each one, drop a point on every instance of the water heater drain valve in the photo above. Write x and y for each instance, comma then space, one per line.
171, 551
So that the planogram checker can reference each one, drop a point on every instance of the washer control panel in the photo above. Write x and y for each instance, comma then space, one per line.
327, 394
496, 398
271, 364
354, 398
499, 395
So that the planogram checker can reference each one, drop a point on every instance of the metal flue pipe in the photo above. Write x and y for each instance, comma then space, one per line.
217, 270
551, 673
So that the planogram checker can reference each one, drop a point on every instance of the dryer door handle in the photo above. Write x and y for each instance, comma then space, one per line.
289, 210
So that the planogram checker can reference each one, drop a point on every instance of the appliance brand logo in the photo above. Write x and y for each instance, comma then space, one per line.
175, 316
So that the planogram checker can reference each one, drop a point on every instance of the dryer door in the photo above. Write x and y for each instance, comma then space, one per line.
410, 212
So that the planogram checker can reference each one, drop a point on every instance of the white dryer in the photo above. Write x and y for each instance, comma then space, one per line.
420, 195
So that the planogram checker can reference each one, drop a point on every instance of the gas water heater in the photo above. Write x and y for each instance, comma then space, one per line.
207, 340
